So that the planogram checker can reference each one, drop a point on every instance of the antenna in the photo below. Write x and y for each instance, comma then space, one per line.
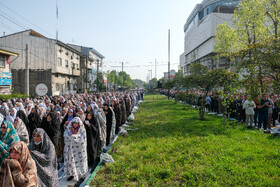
56, 19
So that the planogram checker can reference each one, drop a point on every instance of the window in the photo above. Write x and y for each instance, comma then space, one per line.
59, 61
66, 63
2, 61
78, 66
57, 87
72, 65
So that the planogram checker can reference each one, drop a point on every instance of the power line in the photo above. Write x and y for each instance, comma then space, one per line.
15, 22
7, 27
26, 19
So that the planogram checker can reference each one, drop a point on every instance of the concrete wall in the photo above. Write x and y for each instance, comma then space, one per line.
35, 77
199, 41
71, 57
41, 50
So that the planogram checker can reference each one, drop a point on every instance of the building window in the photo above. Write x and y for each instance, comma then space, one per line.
78, 66
66, 63
57, 87
72, 65
2, 61
59, 61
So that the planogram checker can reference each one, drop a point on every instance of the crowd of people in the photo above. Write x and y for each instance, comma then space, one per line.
39, 133
261, 111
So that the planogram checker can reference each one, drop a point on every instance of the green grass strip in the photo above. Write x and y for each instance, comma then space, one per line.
94, 173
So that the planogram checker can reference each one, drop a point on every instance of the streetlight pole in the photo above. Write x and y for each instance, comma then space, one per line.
155, 68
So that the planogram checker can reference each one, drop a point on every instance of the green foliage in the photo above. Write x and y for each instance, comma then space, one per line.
124, 80
254, 40
99, 81
139, 83
12, 96
174, 148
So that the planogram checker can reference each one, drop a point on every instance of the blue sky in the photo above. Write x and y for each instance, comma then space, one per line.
133, 31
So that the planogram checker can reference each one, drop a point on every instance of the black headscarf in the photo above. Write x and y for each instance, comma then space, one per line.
51, 127
93, 141
25, 120
34, 122
109, 119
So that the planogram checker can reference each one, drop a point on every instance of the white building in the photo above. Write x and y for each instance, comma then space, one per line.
200, 31
171, 76
49, 61
94, 65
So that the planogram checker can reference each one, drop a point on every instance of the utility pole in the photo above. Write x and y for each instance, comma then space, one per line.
27, 71
155, 68
122, 66
97, 82
86, 72
169, 54
168, 60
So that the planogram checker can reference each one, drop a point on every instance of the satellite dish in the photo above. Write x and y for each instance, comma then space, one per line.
41, 89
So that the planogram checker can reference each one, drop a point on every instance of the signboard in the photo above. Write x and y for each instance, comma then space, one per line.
41, 89
6, 78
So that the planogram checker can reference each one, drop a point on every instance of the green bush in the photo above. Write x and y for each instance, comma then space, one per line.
12, 96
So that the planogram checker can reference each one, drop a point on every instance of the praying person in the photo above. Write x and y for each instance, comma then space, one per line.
75, 150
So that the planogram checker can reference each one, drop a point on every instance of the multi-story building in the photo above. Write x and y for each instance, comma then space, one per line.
200, 32
49, 61
94, 65
171, 75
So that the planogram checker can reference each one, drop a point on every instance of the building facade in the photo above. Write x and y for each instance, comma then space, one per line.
200, 32
5, 71
49, 61
171, 76
91, 65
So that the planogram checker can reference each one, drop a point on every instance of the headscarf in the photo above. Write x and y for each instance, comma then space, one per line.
20, 106
24, 118
34, 122
21, 172
22, 131
93, 140
75, 151
28, 111
41, 112
45, 159
52, 127
74, 130
5, 142
10, 117
70, 117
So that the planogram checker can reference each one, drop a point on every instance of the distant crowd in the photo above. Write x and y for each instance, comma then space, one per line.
260, 112
39, 133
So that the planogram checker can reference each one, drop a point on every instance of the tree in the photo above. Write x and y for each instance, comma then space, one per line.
201, 77
99, 82
138, 83
250, 28
124, 80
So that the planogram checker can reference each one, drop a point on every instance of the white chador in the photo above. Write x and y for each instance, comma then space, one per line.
101, 121
75, 150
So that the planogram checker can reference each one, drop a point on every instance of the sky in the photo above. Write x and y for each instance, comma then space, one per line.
131, 31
